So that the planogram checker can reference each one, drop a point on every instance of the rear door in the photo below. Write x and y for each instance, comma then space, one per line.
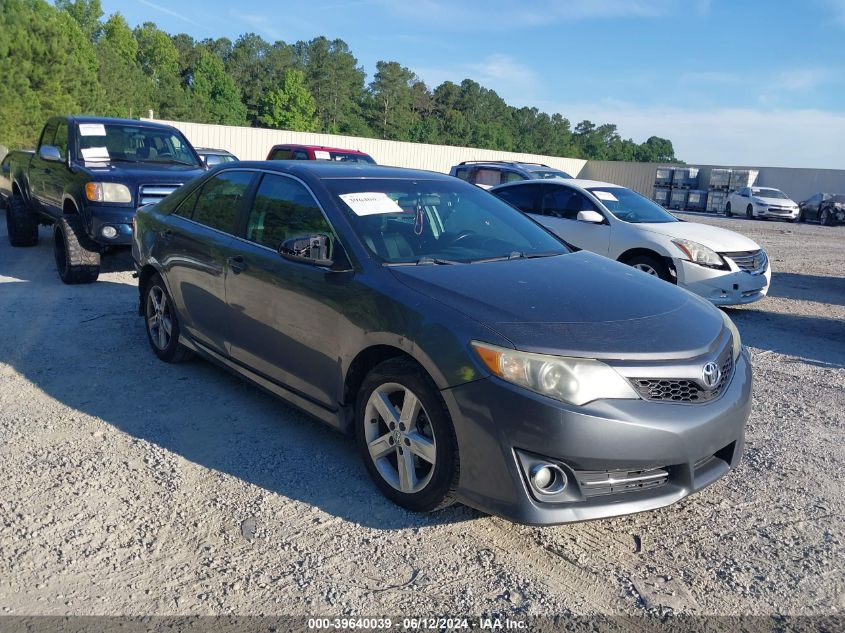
196, 255
286, 316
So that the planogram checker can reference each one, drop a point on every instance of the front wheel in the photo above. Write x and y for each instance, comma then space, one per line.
801, 217
651, 266
749, 212
826, 218
405, 436
162, 323
77, 257
728, 210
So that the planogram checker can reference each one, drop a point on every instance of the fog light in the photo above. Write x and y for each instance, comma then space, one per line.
548, 479
109, 232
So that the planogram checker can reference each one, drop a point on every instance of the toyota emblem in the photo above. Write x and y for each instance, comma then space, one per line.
711, 374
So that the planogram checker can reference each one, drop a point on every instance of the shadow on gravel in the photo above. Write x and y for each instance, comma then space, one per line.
808, 287
85, 347
818, 340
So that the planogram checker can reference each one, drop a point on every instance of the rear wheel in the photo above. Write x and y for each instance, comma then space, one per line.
405, 436
162, 324
21, 223
651, 266
749, 212
77, 257
728, 210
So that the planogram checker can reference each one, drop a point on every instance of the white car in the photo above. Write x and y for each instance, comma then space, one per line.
720, 265
761, 202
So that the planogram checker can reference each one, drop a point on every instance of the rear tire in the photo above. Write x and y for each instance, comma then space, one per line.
651, 266
408, 446
162, 323
21, 223
77, 257
728, 213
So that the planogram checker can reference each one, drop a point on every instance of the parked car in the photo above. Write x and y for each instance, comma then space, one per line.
488, 174
722, 266
213, 157
318, 152
761, 202
825, 208
87, 177
473, 355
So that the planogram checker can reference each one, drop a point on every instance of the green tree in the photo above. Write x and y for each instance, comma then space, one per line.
87, 14
291, 107
393, 98
214, 94
124, 89
656, 150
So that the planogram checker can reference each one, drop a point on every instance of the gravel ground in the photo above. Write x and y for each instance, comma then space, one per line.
135, 487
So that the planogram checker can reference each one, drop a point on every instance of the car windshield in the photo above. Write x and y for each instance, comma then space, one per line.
551, 173
629, 206
438, 222
838, 198
769, 193
344, 157
132, 143
216, 159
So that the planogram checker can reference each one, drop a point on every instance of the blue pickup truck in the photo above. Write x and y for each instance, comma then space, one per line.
86, 178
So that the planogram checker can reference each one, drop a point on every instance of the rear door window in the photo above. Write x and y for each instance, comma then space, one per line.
221, 199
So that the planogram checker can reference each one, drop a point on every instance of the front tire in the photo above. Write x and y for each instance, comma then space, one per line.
21, 223
651, 266
826, 217
728, 213
406, 437
749, 212
161, 323
77, 257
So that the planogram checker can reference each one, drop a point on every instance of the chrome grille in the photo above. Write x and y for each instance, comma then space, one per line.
685, 389
754, 262
150, 194
594, 483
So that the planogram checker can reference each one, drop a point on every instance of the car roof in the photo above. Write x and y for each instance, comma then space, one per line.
104, 119
317, 147
326, 170
211, 150
535, 167
579, 183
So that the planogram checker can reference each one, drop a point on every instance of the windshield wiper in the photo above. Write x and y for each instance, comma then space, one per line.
172, 160
516, 255
423, 261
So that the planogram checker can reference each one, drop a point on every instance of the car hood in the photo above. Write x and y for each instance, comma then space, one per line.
140, 173
579, 304
778, 202
718, 239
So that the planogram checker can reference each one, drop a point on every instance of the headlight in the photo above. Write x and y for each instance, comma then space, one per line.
573, 380
107, 192
735, 338
699, 253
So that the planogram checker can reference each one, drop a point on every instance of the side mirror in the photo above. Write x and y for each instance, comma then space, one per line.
307, 249
50, 153
593, 217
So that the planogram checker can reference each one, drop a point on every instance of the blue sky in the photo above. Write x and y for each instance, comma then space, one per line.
729, 82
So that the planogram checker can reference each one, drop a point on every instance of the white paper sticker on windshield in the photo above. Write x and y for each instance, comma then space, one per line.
370, 203
605, 195
95, 153
320, 154
92, 129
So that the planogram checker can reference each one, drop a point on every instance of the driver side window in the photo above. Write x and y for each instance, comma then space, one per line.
562, 202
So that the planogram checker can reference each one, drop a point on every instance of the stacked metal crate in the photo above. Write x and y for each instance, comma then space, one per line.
662, 186
720, 187
696, 200
743, 178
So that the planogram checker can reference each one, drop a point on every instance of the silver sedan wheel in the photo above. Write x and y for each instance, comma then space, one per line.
400, 438
649, 270
159, 319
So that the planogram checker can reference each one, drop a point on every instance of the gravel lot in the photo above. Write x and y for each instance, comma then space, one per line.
135, 487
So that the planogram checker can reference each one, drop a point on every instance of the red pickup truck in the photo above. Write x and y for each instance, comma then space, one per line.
318, 152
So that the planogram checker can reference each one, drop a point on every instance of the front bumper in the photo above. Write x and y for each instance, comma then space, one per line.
118, 217
723, 287
778, 214
494, 421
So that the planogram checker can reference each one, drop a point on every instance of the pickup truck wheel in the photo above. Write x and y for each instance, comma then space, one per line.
162, 324
21, 223
406, 437
77, 258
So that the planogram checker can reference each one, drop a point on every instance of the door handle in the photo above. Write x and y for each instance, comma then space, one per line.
237, 264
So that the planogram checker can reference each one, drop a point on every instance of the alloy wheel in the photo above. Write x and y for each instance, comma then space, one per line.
400, 438
159, 319
649, 270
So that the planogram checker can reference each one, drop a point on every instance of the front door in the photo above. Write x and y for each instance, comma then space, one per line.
286, 316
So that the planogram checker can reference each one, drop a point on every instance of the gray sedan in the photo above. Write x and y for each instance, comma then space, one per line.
474, 357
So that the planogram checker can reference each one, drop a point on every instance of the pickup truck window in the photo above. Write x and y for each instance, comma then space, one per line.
48, 134
60, 140
133, 143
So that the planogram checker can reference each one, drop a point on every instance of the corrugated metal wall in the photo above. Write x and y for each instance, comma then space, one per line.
253, 144
250, 143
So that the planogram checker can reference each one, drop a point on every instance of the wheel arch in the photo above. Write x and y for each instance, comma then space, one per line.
638, 251
144, 275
